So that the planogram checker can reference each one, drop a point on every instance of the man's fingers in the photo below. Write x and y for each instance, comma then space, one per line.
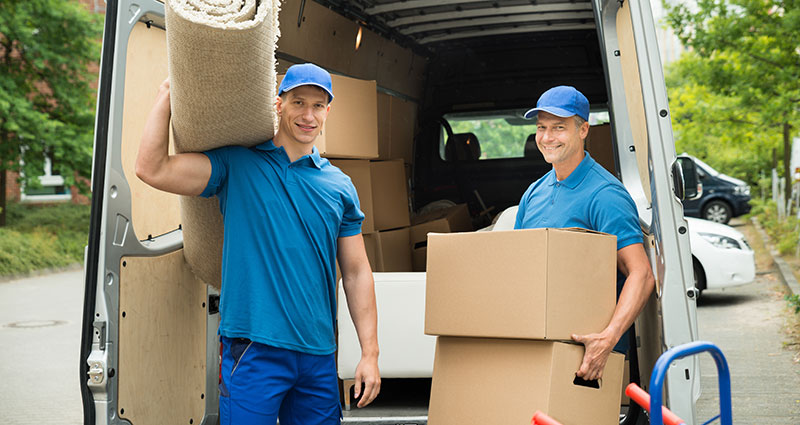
357, 386
371, 390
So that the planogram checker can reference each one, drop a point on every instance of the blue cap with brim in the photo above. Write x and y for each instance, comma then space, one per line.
561, 101
306, 74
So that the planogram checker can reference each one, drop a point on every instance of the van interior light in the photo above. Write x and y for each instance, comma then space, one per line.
358, 38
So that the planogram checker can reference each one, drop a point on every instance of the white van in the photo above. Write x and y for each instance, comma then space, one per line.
149, 349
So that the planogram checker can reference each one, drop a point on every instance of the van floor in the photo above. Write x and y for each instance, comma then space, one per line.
398, 397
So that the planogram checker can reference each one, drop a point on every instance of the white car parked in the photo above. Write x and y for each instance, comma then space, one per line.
721, 257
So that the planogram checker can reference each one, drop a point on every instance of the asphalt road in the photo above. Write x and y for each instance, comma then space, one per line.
40, 325
40, 333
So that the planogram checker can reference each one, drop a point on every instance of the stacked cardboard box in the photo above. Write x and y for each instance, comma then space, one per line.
504, 306
449, 220
369, 135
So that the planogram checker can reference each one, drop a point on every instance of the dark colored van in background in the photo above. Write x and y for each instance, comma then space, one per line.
723, 197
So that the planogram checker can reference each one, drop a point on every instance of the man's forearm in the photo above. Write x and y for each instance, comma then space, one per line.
360, 292
632, 300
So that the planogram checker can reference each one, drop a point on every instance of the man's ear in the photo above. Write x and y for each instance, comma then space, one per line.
584, 130
278, 104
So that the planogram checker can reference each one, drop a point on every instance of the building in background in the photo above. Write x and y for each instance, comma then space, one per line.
52, 188
668, 43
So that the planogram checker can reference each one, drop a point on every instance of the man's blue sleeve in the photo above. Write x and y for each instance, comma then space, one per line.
352, 216
219, 171
614, 212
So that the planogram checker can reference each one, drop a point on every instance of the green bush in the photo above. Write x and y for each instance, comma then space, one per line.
794, 302
42, 236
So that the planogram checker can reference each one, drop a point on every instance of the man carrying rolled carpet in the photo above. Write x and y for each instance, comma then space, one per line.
288, 215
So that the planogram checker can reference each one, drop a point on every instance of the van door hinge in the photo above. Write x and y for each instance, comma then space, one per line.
97, 362
96, 373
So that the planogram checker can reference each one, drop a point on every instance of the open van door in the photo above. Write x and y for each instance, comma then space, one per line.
149, 351
646, 152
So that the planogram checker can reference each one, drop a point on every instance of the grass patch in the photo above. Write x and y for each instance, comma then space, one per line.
42, 236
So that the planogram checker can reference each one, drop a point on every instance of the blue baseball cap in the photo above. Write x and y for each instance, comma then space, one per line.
562, 101
306, 74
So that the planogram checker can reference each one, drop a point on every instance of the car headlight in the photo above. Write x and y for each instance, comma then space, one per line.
720, 241
742, 190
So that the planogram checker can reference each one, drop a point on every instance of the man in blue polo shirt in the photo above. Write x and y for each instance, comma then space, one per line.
579, 192
289, 215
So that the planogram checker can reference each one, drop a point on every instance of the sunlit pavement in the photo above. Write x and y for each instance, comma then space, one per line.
40, 325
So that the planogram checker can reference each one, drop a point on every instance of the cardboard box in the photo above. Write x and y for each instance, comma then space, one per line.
351, 129
359, 173
391, 250
419, 258
389, 194
382, 192
532, 284
599, 146
449, 220
397, 125
502, 381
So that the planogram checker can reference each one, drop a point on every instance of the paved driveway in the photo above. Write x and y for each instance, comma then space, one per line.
747, 323
40, 325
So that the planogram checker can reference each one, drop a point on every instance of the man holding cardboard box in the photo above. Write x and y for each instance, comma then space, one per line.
578, 192
288, 215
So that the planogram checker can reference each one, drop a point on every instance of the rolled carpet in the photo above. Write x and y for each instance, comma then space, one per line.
221, 56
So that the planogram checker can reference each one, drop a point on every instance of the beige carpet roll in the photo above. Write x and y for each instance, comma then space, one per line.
221, 56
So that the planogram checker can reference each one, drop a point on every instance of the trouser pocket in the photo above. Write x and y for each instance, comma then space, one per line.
239, 347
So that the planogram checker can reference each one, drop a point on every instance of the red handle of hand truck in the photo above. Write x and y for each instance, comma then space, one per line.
540, 418
641, 398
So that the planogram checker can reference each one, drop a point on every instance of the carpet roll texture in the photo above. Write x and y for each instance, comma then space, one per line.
221, 56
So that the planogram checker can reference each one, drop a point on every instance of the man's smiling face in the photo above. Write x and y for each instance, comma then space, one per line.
560, 139
302, 112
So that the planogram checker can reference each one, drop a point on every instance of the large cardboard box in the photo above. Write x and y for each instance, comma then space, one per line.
533, 283
504, 381
391, 250
382, 192
448, 220
397, 123
351, 129
389, 194
599, 145
359, 173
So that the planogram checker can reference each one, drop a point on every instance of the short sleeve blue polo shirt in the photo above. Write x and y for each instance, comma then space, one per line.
282, 221
590, 198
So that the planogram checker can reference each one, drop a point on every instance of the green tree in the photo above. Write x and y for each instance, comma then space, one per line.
713, 126
750, 56
46, 101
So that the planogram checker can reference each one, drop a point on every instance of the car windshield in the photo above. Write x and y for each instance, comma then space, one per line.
707, 168
502, 134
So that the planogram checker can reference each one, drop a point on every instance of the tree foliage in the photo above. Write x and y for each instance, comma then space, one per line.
714, 127
745, 69
46, 98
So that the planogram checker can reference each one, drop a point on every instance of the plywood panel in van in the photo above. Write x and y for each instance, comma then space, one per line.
153, 212
633, 93
162, 334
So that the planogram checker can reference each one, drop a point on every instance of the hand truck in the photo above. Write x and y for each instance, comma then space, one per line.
660, 415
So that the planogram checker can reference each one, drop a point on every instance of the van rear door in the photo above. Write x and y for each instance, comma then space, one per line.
149, 352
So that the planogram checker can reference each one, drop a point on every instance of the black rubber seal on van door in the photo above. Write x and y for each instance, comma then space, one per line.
98, 180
